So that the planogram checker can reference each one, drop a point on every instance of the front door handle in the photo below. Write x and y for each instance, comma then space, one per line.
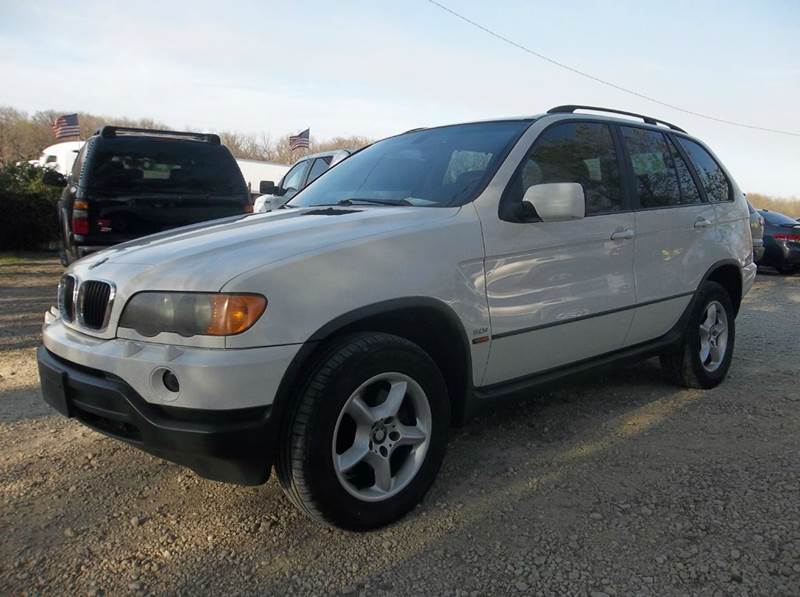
625, 234
702, 223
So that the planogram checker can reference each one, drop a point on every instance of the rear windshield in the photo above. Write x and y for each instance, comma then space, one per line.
778, 219
164, 166
428, 168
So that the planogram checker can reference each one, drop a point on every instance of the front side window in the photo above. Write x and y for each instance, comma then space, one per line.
294, 177
654, 171
718, 187
436, 167
580, 152
318, 167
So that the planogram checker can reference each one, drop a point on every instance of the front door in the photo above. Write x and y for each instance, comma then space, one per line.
560, 292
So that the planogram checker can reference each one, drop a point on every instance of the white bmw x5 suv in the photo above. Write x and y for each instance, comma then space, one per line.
425, 277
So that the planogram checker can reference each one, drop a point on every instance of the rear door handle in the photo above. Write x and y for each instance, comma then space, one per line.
702, 223
625, 234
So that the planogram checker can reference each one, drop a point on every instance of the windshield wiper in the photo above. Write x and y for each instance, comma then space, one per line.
375, 201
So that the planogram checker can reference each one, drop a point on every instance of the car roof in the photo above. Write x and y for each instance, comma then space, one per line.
569, 112
322, 154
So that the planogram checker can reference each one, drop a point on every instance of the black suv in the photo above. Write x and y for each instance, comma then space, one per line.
129, 182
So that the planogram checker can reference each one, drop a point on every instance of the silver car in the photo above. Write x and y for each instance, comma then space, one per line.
302, 173
757, 232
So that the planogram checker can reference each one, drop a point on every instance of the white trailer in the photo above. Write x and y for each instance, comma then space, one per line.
254, 171
61, 156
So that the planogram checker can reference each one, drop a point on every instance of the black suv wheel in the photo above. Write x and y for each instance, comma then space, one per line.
368, 433
705, 354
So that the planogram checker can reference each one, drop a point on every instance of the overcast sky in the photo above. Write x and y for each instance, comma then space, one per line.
375, 68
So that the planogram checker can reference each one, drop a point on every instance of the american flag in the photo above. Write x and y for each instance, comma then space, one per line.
66, 126
299, 140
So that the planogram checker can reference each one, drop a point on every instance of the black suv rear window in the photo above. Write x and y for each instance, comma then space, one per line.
164, 165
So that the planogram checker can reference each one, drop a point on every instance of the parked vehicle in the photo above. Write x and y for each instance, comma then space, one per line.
422, 280
256, 172
757, 232
60, 156
302, 173
781, 242
129, 182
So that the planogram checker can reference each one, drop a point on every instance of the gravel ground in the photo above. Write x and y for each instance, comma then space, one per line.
621, 485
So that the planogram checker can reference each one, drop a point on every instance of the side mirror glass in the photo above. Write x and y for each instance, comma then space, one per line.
53, 178
557, 201
267, 187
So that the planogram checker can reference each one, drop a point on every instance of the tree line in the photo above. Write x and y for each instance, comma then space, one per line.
23, 136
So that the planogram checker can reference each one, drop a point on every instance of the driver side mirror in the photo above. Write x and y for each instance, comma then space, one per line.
53, 178
557, 201
267, 187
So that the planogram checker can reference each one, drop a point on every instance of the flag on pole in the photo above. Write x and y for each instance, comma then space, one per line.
66, 126
299, 140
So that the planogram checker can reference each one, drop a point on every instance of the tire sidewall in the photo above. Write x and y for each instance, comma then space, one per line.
710, 291
333, 500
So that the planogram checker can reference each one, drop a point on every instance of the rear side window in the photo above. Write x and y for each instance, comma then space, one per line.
78, 164
717, 186
164, 166
318, 167
654, 171
580, 152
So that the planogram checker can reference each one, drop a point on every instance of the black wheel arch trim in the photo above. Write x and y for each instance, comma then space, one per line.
304, 359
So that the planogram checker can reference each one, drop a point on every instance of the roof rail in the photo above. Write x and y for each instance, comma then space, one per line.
108, 131
647, 119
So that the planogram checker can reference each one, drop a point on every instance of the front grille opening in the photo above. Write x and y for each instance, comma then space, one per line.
66, 302
94, 303
117, 429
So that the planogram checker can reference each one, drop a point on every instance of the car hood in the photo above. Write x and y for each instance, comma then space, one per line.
206, 256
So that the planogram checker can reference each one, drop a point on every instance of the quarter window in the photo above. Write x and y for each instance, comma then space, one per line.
689, 191
572, 152
718, 187
653, 166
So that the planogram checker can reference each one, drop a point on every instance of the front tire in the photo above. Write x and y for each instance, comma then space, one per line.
704, 356
368, 433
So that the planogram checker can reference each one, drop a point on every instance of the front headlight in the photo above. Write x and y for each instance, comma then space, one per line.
192, 313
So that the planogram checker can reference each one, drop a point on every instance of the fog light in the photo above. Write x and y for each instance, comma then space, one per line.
170, 381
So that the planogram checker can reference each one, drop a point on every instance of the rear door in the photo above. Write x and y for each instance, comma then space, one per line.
560, 292
674, 230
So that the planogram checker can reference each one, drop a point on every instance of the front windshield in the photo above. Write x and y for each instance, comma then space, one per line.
428, 168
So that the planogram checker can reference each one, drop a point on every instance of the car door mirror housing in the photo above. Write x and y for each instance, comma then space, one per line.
53, 178
267, 187
557, 201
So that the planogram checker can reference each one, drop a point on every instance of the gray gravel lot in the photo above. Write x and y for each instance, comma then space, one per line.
617, 485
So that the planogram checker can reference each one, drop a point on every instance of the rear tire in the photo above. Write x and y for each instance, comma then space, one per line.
705, 352
367, 433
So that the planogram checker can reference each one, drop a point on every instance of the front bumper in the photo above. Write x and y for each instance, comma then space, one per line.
210, 379
231, 445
